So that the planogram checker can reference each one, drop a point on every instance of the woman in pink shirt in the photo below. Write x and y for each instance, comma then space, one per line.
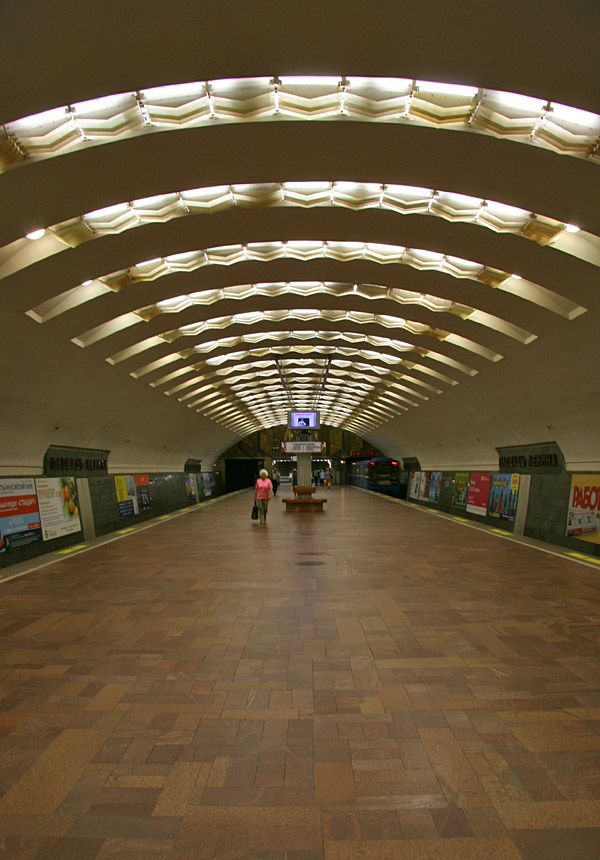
262, 493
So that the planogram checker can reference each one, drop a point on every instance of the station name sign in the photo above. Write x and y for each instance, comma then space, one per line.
79, 462
303, 447
543, 458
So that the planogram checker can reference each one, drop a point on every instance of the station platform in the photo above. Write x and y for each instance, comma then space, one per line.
373, 681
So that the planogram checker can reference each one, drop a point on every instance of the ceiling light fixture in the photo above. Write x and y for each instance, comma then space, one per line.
36, 234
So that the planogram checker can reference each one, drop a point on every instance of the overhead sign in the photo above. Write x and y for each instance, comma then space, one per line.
544, 458
303, 447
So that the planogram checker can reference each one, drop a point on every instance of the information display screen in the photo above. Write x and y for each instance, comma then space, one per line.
304, 421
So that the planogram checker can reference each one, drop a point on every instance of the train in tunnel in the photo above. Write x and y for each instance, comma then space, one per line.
381, 475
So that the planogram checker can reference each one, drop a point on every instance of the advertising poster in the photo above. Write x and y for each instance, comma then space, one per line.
209, 483
190, 487
434, 487
126, 495
19, 513
504, 494
584, 504
415, 483
479, 493
424, 486
461, 488
142, 491
59, 506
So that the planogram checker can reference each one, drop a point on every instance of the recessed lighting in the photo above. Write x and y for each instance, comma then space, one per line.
36, 234
517, 277
572, 228
86, 283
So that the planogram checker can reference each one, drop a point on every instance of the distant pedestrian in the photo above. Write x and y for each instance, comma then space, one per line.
275, 479
328, 477
263, 490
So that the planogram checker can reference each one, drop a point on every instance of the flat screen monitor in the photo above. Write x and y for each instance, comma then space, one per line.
304, 421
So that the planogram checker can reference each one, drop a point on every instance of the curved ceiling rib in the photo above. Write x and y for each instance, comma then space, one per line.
301, 250
405, 200
542, 123
372, 360
335, 316
387, 347
306, 290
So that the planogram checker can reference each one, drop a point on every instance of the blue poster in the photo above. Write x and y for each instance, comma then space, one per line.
504, 495
434, 487
20, 522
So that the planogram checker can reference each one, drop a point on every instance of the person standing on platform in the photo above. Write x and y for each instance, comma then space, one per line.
328, 477
263, 490
275, 479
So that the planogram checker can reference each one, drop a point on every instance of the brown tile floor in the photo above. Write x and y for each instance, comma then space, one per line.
372, 682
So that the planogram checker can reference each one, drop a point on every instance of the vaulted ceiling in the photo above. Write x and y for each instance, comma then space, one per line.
213, 214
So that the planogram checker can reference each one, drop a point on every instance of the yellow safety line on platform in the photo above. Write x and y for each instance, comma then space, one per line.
584, 557
71, 549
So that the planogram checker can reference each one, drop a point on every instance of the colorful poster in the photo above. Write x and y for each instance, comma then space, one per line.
19, 513
434, 487
209, 483
59, 506
424, 486
584, 503
504, 495
461, 488
415, 483
190, 487
479, 492
142, 492
126, 495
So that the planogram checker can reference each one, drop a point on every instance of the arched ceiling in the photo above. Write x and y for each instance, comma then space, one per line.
385, 211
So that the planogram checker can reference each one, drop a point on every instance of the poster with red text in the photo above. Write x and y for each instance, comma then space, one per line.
584, 503
19, 513
479, 493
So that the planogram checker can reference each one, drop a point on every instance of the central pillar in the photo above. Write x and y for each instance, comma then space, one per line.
304, 473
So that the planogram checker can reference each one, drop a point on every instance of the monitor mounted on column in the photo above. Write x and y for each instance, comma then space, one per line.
304, 421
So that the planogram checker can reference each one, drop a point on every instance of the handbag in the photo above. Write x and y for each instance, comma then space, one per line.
255, 511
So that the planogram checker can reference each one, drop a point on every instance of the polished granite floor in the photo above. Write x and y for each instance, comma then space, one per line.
374, 682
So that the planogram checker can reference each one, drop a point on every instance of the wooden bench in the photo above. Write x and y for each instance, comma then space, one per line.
303, 491
307, 505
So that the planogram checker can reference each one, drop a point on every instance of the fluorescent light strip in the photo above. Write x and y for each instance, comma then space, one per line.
538, 122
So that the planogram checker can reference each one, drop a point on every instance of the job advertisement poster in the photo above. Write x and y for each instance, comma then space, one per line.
59, 506
584, 504
19, 513
479, 492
